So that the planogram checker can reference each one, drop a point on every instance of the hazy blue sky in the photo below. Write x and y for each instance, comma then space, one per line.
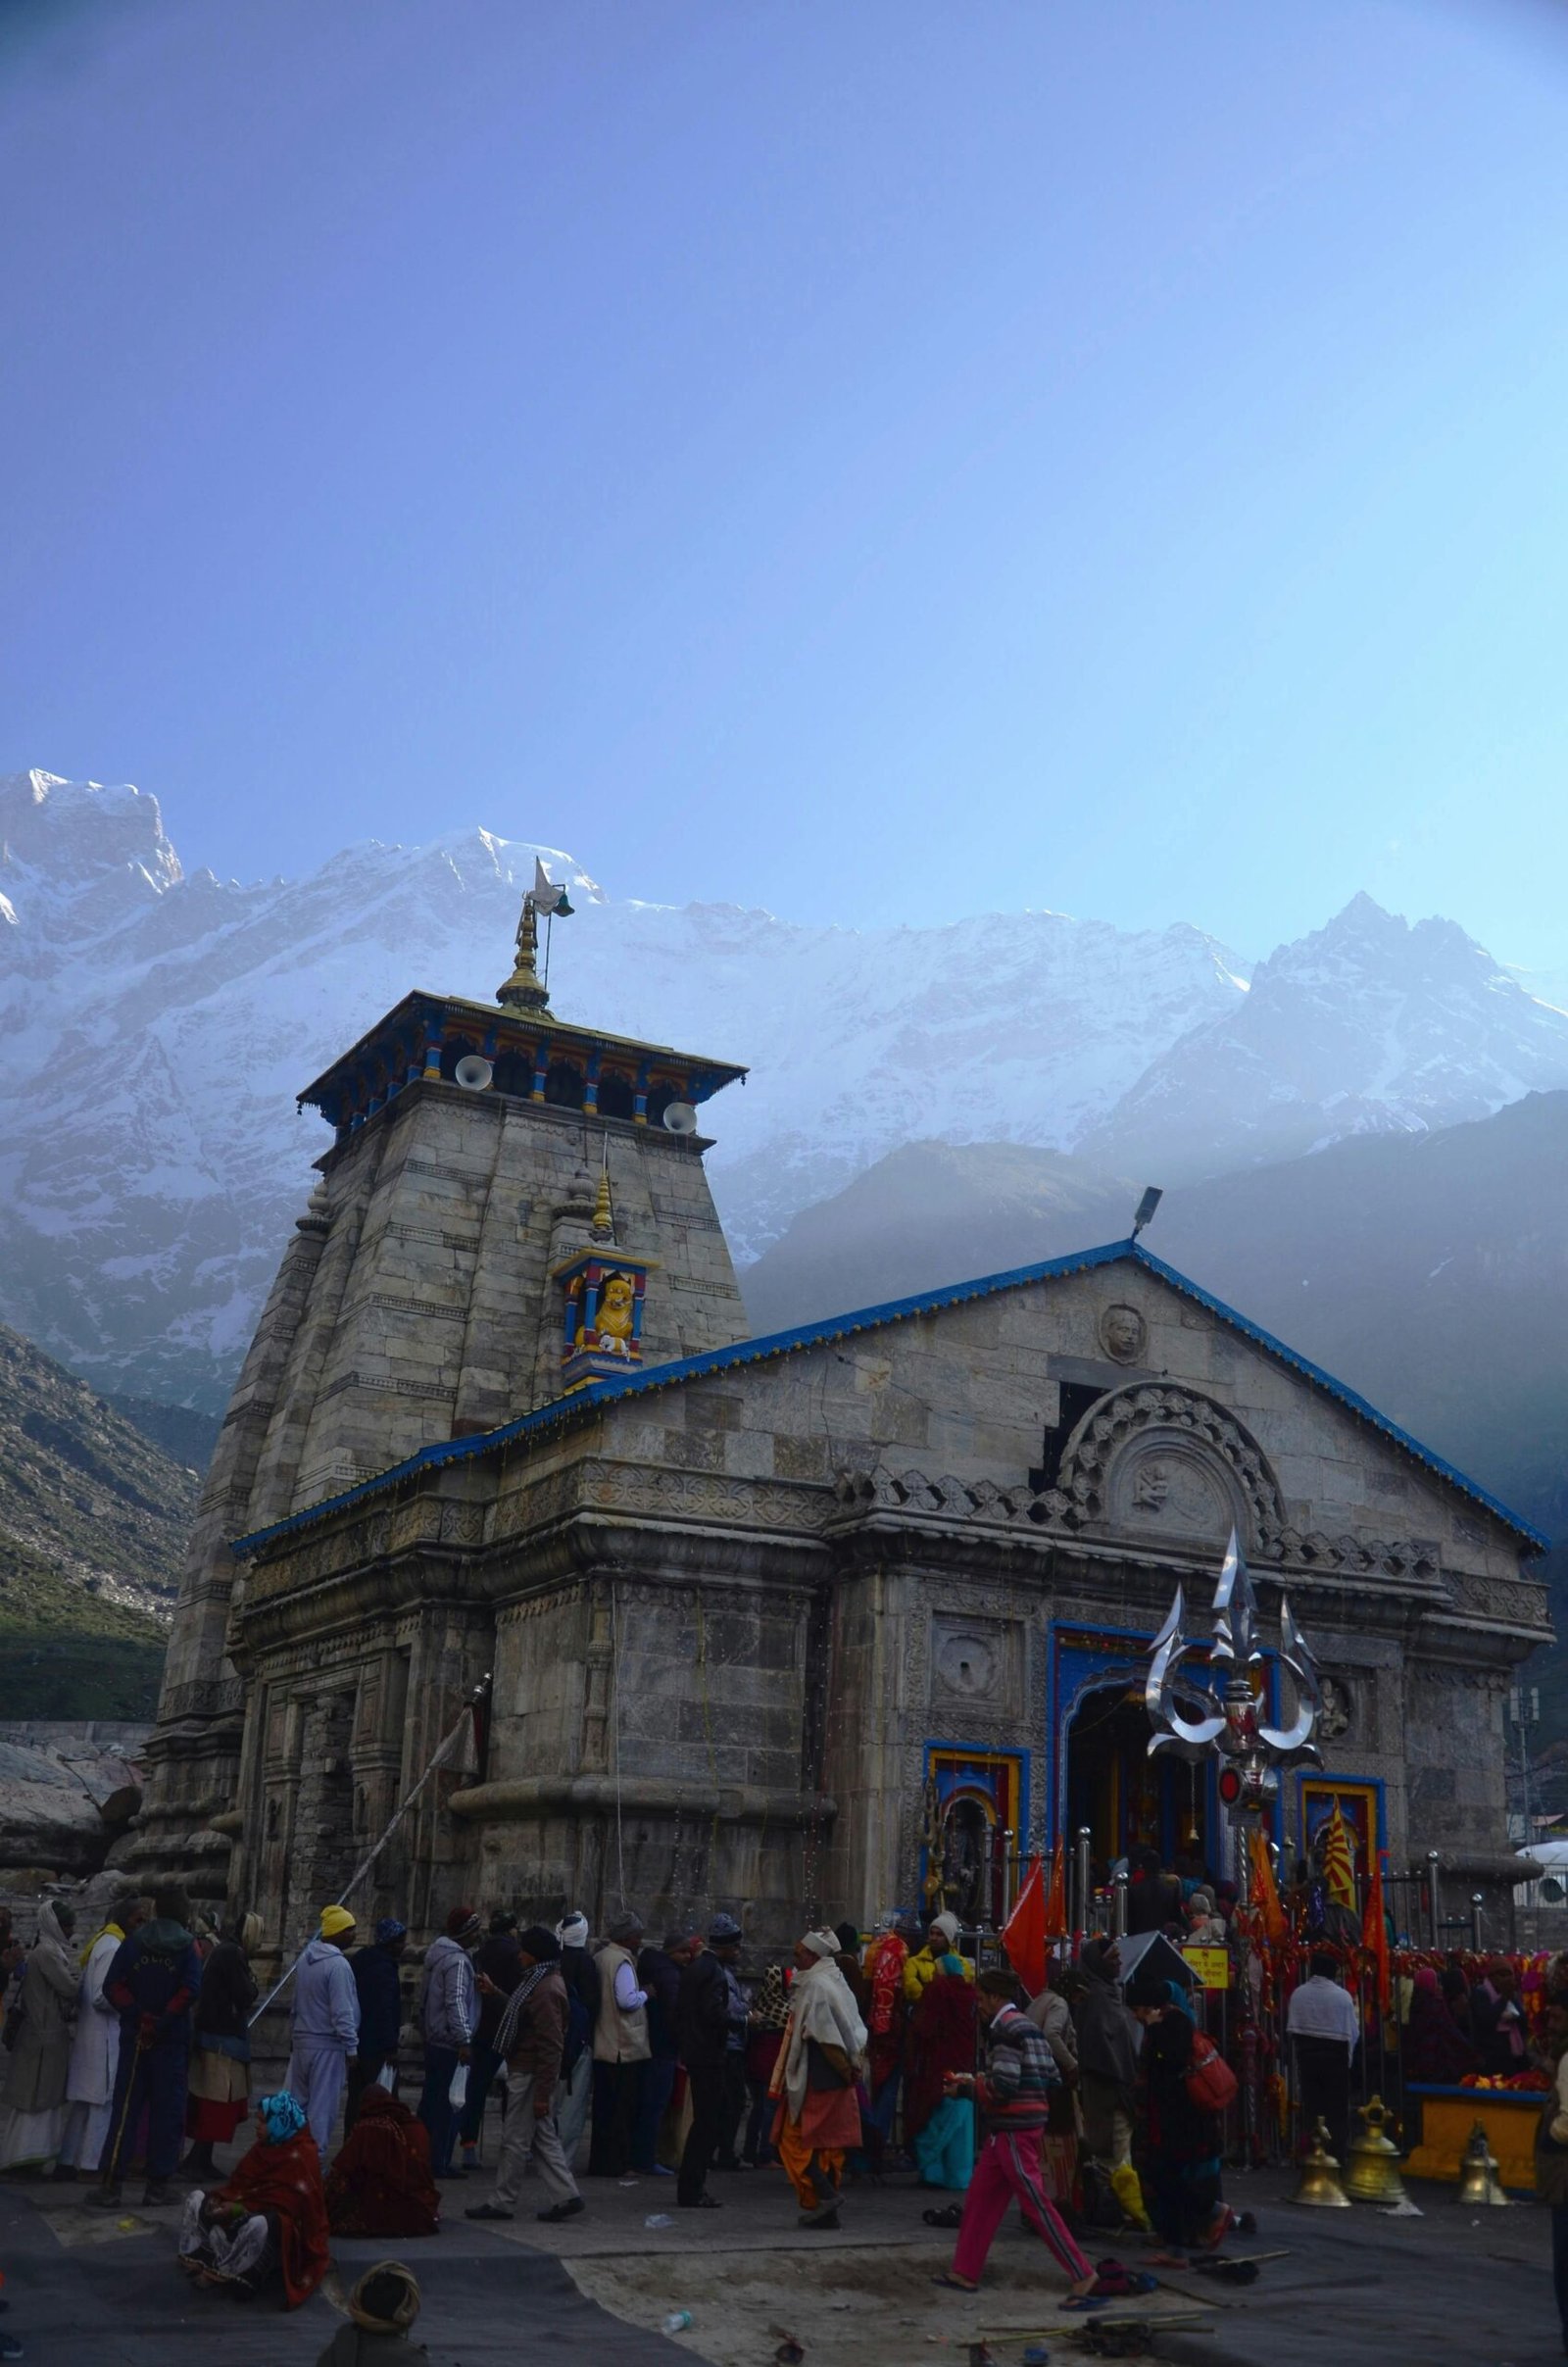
877, 460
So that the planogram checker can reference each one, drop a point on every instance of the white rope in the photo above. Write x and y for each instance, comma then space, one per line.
614, 1719
363, 1868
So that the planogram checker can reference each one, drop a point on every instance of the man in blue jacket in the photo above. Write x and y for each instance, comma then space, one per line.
153, 1980
376, 1979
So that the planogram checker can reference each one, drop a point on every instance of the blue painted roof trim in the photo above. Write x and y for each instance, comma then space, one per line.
564, 1411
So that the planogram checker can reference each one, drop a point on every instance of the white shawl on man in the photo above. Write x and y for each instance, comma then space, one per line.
823, 2008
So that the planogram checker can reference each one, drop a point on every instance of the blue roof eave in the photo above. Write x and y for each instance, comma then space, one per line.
561, 1411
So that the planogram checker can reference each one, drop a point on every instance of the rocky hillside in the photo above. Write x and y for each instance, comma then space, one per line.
93, 1521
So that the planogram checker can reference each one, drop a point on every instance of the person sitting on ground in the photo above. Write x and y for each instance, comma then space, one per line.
814, 2080
382, 2306
941, 1940
382, 2184
266, 2227
1013, 2098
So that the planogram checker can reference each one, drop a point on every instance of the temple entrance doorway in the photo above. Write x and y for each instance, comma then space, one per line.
1125, 1798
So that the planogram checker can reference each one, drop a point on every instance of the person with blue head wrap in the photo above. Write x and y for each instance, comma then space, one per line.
266, 2226
281, 2116
377, 1983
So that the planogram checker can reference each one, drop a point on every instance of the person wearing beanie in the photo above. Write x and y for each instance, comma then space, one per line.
382, 2307
942, 1939
448, 2016
377, 1978
326, 2023
579, 1969
530, 2039
620, 2048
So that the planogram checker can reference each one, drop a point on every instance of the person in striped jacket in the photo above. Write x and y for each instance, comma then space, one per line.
1013, 2096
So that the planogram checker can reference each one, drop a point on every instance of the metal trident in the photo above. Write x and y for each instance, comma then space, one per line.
1236, 1647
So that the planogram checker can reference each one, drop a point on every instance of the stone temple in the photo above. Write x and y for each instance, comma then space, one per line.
835, 1617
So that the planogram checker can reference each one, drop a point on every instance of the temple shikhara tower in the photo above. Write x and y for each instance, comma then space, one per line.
840, 1615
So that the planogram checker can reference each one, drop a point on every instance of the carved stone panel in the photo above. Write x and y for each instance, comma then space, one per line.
1175, 1486
976, 1661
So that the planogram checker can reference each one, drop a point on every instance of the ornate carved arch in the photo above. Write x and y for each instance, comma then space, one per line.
1082, 1492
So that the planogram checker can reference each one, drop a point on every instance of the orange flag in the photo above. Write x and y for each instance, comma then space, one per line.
1264, 1897
1375, 1932
1023, 1935
1056, 1896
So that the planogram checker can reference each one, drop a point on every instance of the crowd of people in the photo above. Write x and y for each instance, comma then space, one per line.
1097, 2103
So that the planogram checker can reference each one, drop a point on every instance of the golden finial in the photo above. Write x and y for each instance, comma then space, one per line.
524, 990
603, 1226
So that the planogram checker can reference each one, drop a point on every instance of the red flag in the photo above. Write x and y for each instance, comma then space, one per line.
1056, 1896
1375, 1932
1023, 1935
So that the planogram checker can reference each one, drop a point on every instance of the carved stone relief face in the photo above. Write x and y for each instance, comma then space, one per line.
1123, 1334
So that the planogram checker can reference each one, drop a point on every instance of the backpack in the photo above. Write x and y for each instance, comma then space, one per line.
1211, 2084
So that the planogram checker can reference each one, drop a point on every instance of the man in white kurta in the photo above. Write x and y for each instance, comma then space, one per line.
95, 2048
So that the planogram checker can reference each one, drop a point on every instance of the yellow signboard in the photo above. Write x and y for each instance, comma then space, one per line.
1212, 1965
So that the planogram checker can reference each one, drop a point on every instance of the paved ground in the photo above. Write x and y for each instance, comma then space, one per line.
1355, 2289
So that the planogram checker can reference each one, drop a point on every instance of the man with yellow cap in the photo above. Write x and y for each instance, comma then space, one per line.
326, 2023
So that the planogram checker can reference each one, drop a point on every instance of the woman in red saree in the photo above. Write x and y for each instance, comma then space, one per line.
268, 2224
380, 2183
940, 2039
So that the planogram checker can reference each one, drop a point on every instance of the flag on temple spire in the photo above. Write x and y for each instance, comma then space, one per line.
1375, 1932
1056, 1896
1339, 1861
1262, 1895
1023, 1935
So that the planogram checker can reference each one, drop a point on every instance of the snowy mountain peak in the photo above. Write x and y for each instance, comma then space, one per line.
71, 831
1369, 1024
151, 1164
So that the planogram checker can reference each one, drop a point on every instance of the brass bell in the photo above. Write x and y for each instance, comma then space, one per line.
1374, 2172
1478, 2173
1320, 2185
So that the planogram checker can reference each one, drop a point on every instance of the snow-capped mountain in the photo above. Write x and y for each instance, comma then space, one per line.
157, 1026
1366, 1026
